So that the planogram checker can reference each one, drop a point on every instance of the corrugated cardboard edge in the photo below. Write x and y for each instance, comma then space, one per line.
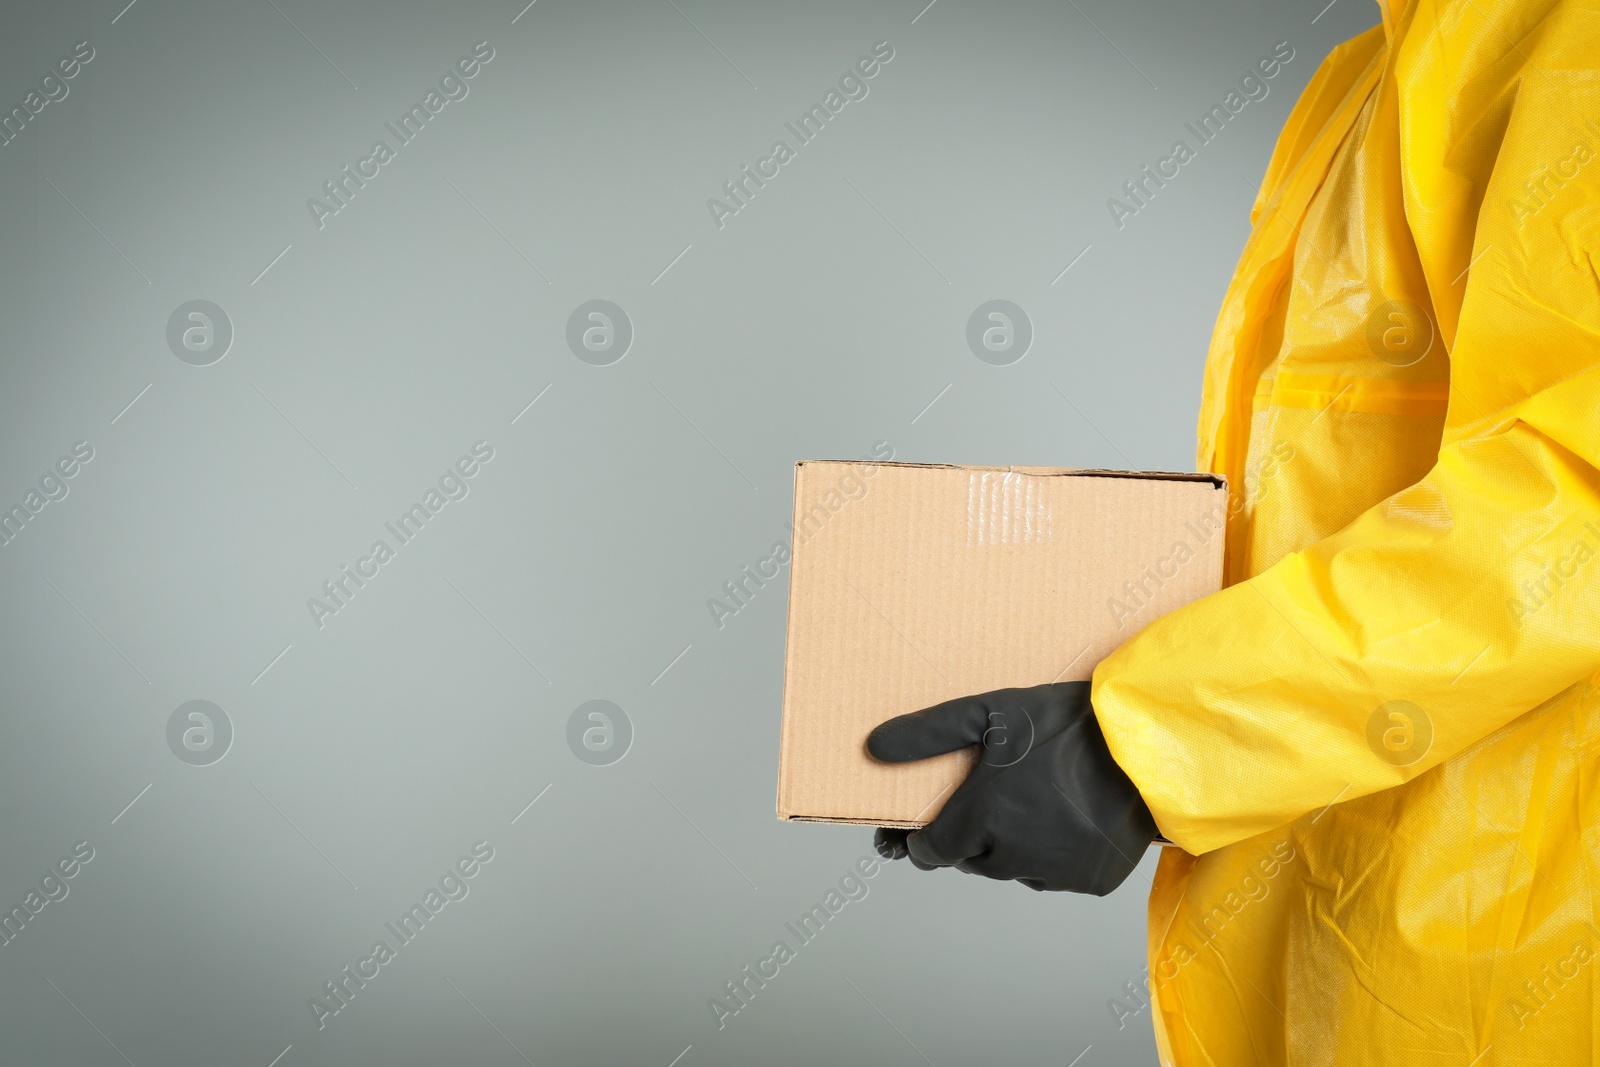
788, 630
1215, 481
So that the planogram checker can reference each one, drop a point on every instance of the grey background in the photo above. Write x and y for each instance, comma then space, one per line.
425, 716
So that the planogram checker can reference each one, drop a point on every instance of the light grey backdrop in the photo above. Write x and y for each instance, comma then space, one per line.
371, 351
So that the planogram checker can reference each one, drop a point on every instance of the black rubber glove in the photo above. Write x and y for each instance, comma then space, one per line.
1045, 805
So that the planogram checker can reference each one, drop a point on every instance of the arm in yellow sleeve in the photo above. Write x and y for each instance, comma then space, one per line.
1473, 596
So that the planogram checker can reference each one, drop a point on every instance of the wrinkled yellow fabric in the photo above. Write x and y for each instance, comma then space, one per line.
1377, 747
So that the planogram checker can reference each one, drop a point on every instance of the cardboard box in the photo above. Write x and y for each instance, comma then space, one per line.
914, 583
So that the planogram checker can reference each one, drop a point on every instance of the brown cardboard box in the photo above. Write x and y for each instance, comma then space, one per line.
914, 583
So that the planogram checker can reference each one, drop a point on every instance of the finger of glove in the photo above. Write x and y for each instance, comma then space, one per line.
940, 847
890, 842
945, 727
999, 860
957, 835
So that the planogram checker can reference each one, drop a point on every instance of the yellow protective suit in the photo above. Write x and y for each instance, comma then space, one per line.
1377, 748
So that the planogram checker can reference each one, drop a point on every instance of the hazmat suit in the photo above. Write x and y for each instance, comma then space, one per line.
1377, 747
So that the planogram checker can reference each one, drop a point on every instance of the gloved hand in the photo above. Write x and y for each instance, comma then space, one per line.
1045, 805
